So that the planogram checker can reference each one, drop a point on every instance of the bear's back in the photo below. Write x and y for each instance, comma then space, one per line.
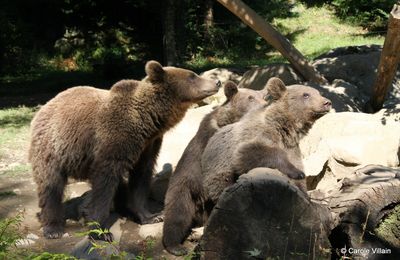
64, 126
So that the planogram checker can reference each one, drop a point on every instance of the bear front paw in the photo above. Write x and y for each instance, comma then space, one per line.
53, 231
297, 175
178, 250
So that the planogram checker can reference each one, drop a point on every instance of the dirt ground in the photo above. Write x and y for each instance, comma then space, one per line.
19, 196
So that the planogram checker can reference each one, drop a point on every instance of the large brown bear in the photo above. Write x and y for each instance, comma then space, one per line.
265, 138
184, 202
100, 136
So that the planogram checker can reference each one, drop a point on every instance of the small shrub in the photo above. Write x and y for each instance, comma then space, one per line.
9, 234
371, 14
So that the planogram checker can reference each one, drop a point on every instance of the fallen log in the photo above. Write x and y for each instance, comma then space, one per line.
266, 215
359, 207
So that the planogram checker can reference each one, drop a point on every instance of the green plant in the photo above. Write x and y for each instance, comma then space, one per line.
371, 14
9, 233
191, 255
104, 247
51, 256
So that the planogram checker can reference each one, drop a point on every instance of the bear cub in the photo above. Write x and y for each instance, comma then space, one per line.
264, 138
101, 136
184, 201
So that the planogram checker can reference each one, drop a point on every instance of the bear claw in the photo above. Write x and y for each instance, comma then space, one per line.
53, 232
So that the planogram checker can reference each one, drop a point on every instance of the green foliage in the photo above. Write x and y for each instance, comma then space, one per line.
388, 229
371, 14
228, 38
316, 30
16, 117
9, 234
113, 39
51, 256
7, 194
191, 255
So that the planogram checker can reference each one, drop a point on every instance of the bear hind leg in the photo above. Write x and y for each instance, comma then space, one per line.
179, 215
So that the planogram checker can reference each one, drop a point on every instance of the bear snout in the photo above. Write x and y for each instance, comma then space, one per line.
218, 83
327, 104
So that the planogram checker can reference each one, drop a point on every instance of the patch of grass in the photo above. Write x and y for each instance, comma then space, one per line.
16, 117
17, 170
14, 138
313, 31
55, 81
316, 30
4, 194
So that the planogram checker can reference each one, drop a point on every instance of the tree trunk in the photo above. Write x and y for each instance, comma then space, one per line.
208, 18
170, 53
266, 215
364, 200
388, 63
273, 37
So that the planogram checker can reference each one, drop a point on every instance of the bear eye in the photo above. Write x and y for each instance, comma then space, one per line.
251, 98
306, 95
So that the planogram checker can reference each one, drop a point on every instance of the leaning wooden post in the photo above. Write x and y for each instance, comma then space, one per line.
273, 37
388, 62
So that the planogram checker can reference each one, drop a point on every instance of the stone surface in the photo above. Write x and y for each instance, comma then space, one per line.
84, 249
116, 229
356, 65
151, 230
223, 75
256, 78
339, 143
176, 140
344, 96
32, 236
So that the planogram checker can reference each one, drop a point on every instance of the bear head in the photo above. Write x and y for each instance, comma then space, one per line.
244, 100
186, 85
307, 103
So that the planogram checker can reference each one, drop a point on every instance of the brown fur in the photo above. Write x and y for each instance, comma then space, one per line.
265, 138
184, 202
101, 136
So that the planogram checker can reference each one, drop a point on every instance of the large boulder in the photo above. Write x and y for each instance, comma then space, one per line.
257, 77
356, 65
339, 143
223, 75
176, 140
173, 146
344, 96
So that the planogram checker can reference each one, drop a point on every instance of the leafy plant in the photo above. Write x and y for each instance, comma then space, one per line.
9, 233
371, 14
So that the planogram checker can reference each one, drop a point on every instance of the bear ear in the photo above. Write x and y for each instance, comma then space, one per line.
230, 89
275, 87
154, 71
